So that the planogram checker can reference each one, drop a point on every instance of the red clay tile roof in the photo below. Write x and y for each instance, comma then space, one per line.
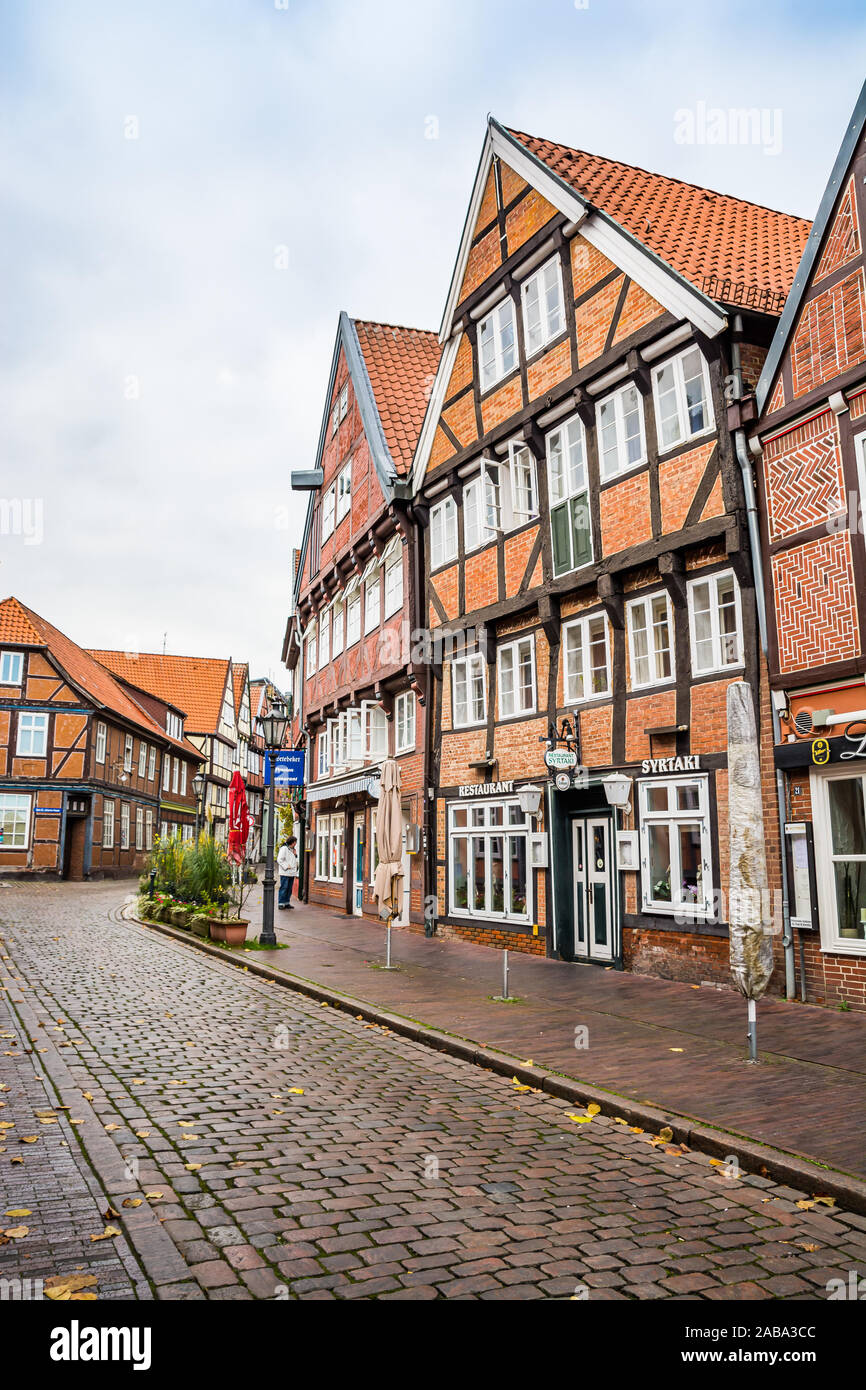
698, 232
258, 694
401, 364
22, 627
194, 684
240, 674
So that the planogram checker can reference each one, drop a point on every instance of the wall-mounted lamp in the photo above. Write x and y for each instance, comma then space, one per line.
529, 798
617, 789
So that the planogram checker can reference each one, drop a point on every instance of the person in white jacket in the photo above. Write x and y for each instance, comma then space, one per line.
287, 863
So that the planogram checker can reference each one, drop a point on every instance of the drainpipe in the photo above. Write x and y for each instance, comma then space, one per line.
428, 872
745, 463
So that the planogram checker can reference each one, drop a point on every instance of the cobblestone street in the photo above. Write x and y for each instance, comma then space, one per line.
276, 1148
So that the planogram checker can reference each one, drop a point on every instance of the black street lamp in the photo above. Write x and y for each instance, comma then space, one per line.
274, 726
198, 783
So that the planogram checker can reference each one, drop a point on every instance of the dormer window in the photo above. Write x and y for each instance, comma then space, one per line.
174, 725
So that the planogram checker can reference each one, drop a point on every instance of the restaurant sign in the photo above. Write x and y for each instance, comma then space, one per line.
486, 789
818, 752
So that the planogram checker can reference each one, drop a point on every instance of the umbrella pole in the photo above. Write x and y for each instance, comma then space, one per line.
388, 965
504, 974
753, 1030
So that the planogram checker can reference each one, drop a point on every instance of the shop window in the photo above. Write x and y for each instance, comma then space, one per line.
715, 623
14, 820
586, 643
323, 846
570, 527
840, 852
488, 857
336, 855
650, 636
516, 667
681, 388
676, 872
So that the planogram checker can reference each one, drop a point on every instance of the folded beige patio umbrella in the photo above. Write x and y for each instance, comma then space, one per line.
388, 883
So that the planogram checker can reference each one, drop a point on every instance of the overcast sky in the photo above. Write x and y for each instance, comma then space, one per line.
193, 189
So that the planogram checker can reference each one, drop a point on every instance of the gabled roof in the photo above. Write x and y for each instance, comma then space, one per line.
240, 676
195, 684
701, 233
392, 370
20, 626
791, 312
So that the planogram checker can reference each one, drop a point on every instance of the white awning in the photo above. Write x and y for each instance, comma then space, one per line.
327, 791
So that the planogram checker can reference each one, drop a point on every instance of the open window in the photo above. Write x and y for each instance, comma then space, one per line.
375, 727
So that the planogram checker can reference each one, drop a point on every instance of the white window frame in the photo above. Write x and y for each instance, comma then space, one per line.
323, 752
685, 433
372, 581
568, 486
175, 776
344, 492
336, 854
344, 400
515, 710
183, 778
124, 825
502, 361
469, 665
488, 832
828, 915
148, 828
142, 758
100, 742
645, 601
324, 638
128, 747
374, 727
323, 847
392, 563
476, 532
32, 724
584, 675
374, 849
166, 771
312, 649
139, 827
11, 668
698, 909
329, 508
550, 323
443, 533
623, 464
16, 817
353, 614
151, 763
717, 636
338, 625
405, 713
109, 817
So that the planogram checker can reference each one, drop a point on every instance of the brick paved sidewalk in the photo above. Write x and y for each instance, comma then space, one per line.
656, 1041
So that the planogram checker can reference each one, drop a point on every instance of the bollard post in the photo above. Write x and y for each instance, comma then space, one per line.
505, 974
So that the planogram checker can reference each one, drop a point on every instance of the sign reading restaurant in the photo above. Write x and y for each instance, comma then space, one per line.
486, 789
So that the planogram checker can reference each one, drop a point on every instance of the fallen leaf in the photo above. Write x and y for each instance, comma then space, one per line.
811, 1248
17, 1232
110, 1127
618, 1120
192, 1167
676, 1049
717, 1163
826, 1201
108, 1234
47, 1119
7, 1124
666, 1134
195, 1136
87, 1095
109, 1213
153, 1196
132, 1202
635, 1129
593, 1109
136, 1081
16, 1160
296, 1090
142, 1133
19, 1211
805, 1206
580, 1119
30, 1139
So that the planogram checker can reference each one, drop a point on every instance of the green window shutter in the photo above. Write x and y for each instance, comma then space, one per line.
581, 529
559, 524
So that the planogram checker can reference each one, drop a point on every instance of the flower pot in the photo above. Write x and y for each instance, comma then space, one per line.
200, 925
231, 930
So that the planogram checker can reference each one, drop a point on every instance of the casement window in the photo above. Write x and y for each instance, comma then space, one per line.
124, 825
468, 690
336, 730
166, 772
676, 872
323, 846
324, 637
488, 845
323, 752
375, 727
139, 827
151, 763
509, 489
108, 811
476, 530
394, 578
516, 677
101, 737
336, 856
839, 807
344, 401
404, 720
443, 533
715, 623
372, 580
586, 643
11, 668
174, 726
329, 502
497, 346
619, 420
175, 776
344, 491
338, 625
127, 753
650, 635
312, 650
335, 416
681, 387
543, 306
570, 526
183, 779
148, 829
14, 820
32, 734
353, 614
142, 758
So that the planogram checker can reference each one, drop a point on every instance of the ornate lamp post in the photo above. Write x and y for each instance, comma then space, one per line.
197, 786
274, 726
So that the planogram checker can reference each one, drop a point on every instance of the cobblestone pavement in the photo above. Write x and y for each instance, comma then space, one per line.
279, 1149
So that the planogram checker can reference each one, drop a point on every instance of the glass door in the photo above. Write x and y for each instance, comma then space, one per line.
594, 888
358, 865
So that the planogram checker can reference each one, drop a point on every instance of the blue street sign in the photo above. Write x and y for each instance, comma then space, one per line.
288, 768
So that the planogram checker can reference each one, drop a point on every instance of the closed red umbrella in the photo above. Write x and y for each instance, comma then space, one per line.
239, 819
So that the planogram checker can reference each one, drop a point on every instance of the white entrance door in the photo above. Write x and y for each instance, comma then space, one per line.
407, 869
358, 865
594, 886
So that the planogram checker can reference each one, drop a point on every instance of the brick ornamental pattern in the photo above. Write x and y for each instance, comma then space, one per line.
816, 606
831, 335
805, 484
843, 243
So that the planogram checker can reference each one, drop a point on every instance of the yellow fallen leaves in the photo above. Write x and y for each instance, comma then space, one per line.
192, 1167
580, 1119
153, 1196
30, 1139
7, 1124
137, 1081
593, 1110
807, 1205
108, 1234
17, 1212
189, 1136
131, 1202
142, 1133
111, 1127
65, 1288
17, 1232
87, 1095
666, 1134
676, 1049
296, 1090
47, 1119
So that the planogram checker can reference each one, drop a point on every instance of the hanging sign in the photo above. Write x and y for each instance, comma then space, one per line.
288, 768
557, 758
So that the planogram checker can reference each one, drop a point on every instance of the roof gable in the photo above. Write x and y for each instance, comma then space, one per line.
195, 684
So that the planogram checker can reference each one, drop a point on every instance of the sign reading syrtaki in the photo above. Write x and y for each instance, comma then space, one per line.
556, 758
848, 746
690, 762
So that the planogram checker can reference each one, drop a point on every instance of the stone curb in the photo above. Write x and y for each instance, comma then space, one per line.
788, 1169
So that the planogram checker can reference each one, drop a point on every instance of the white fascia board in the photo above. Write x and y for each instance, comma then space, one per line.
431, 415
483, 170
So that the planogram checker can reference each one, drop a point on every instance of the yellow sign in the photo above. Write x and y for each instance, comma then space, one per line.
820, 751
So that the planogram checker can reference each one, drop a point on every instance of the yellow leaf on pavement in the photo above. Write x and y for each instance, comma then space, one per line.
153, 1196
132, 1202
108, 1234
17, 1232
805, 1206
296, 1090
142, 1133
666, 1134
189, 1136
593, 1109
17, 1212
110, 1127
635, 1129
30, 1139
827, 1201
192, 1167
87, 1095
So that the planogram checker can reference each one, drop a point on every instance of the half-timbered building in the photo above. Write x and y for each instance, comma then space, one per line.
83, 757
359, 694
810, 447
586, 559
